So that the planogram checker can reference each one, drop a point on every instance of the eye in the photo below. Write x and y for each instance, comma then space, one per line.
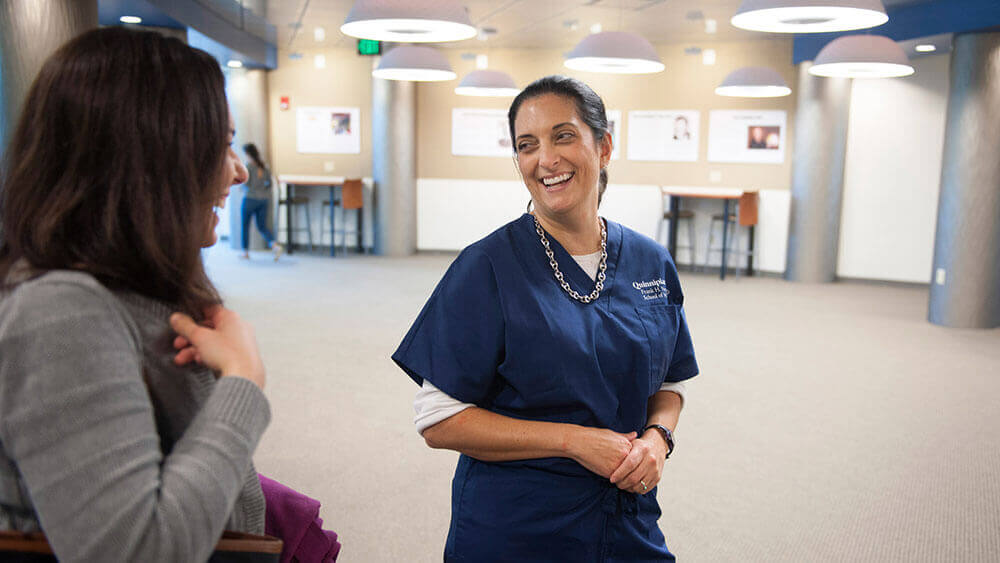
564, 135
524, 145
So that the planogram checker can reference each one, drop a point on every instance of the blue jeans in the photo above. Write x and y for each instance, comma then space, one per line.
256, 208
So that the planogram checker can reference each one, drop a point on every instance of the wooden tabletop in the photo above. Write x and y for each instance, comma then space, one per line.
705, 192
304, 180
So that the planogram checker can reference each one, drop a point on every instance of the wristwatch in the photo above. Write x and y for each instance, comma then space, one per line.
668, 436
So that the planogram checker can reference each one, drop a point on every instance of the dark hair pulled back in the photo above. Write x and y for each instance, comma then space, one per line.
114, 165
588, 104
251, 150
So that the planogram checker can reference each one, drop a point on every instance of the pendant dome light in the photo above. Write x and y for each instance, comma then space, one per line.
862, 56
754, 82
618, 52
408, 21
487, 83
809, 16
416, 63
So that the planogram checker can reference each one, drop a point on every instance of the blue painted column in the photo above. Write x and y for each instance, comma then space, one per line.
965, 281
30, 31
821, 119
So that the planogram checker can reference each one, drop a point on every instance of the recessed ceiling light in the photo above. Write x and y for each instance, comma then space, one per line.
596, 28
130, 19
319, 34
711, 26
319, 61
233, 63
925, 48
708, 57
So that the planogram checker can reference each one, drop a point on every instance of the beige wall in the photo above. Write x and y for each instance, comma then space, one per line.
685, 84
346, 81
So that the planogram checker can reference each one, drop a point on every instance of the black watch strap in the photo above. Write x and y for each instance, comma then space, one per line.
668, 436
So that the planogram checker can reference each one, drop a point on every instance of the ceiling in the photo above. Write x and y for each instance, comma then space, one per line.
538, 23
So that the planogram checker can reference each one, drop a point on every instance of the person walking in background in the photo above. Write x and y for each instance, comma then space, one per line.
257, 202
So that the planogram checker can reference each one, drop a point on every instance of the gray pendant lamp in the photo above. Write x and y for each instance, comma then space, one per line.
862, 56
754, 82
808, 16
487, 83
408, 21
416, 63
618, 52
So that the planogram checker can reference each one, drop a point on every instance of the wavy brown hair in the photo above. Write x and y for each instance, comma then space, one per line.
114, 165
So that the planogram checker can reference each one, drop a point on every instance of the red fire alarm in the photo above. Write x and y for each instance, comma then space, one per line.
284, 103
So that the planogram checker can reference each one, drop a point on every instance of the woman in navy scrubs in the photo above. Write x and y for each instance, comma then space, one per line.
550, 356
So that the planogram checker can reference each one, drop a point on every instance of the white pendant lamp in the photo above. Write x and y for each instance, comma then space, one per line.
408, 21
754, 82
415, 63
862, 56
809, 16
487, 83
616, 52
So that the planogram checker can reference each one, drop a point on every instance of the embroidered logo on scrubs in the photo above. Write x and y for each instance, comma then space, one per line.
653, 289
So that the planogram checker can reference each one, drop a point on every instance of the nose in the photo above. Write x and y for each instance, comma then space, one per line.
240, 174
548, 157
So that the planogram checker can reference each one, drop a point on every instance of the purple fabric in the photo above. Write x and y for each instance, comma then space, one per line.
294, 517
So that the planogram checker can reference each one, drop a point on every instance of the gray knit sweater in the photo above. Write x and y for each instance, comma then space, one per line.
105, 445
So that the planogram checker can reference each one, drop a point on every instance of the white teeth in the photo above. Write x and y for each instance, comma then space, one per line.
556, 179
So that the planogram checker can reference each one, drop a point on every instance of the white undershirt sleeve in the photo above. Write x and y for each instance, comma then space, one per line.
433, 405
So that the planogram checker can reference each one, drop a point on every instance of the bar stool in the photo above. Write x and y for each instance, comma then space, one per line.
351, 197
744, 215
684, 215
298, 202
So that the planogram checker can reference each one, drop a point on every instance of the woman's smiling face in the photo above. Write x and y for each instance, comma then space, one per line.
557, 155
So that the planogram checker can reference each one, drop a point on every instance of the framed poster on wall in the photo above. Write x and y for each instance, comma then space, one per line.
615, 125
328, 130
480, 132
747, 136
663, 135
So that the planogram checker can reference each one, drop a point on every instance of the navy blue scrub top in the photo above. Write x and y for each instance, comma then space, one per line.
500, 332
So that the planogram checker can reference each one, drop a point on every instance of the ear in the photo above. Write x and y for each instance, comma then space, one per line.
605, 149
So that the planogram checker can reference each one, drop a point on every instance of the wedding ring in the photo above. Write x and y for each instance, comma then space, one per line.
644, 487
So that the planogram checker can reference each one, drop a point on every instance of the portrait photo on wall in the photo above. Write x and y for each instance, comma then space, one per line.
764, 137
328, 130
341, 123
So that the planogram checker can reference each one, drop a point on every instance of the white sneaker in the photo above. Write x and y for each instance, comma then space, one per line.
277, 249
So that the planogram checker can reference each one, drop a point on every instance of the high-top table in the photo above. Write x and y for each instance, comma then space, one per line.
332, 182
748, 216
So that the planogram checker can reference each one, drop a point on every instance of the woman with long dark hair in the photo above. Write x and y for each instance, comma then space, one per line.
552, 356
130, 398
257, 202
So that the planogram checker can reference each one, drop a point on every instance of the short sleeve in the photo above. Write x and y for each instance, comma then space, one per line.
457, 341
682, 364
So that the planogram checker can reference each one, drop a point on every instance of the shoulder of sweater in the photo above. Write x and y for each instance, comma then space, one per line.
59, 294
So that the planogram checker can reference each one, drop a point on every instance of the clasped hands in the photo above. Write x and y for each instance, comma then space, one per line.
627, 460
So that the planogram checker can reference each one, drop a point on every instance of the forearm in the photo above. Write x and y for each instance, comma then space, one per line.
489, 436
663, 408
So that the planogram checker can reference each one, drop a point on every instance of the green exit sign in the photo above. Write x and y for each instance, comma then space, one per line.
369, 47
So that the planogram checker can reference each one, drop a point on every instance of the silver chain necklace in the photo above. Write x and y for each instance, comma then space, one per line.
559, 275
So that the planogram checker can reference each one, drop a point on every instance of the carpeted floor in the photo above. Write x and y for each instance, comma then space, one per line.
830, 422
